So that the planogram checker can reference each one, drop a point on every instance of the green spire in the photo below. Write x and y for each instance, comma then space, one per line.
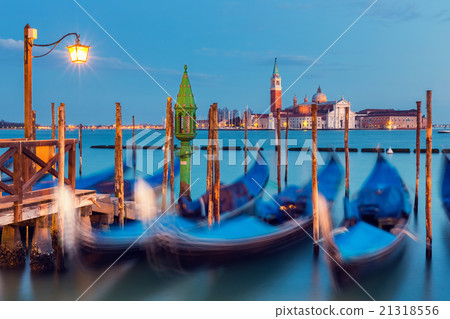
185, 98
275, 68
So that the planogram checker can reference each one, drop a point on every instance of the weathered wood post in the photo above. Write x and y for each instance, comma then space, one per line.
278, 142
286, 147
428, 176
315, 192
33, 136
61, 144
118, 178
134, 149
27, 67
245, 141
61, 174
418, 129
216, 166
347, 164
172, 160
53, 228
80, 146
27, 238
209, 168
166, 154
33, 124
53, 122
18, 171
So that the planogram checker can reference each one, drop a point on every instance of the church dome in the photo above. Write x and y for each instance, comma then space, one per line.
319, 97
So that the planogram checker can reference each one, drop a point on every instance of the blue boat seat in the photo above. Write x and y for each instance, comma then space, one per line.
362, 239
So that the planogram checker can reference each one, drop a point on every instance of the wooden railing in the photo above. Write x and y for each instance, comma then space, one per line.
29, 168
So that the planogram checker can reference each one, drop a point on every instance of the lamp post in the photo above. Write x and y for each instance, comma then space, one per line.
78, 54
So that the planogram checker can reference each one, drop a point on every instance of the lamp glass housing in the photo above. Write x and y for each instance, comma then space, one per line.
78, 53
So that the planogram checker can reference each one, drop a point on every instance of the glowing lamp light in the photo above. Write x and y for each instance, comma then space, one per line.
78, 53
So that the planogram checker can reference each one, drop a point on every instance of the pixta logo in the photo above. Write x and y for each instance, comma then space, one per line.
148, 155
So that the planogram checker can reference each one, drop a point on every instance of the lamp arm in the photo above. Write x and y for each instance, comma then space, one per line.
54, 44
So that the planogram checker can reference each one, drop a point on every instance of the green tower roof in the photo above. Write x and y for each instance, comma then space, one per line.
185, 98
275, 67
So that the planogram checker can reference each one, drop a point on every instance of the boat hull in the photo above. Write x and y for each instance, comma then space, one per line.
345, 273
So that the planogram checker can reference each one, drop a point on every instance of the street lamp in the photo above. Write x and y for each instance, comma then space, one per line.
78, 54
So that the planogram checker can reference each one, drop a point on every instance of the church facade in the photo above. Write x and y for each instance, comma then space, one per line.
330, 114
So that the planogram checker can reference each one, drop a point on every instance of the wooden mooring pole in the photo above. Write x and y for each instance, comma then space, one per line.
209, 168
216, 166
347, 165
33, 167
245, 140
118, 178
61, 174
166, 154
134, 149
428, 177
278, 148
53, 228
286, 147
315, 192
172, 160
80, 146
418, 129
33, 124
61, 144
53, 122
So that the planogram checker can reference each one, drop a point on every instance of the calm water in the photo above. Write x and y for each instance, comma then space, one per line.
291, 274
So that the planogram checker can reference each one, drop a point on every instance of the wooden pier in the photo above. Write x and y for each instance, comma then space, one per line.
23, 204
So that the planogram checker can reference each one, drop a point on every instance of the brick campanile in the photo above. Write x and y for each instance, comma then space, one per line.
275, 89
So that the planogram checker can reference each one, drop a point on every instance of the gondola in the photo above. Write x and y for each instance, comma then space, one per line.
138, 237
374, 228
276, 224
445, 190
235, 198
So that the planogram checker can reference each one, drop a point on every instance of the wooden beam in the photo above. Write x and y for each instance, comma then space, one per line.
286, 147
118, 178
166, 155
216, 166
245, 140
80, 146
418, 129
18, 181
61, 144
315, 192
347, 163
53, 122
209, 167
428, 177
278, 148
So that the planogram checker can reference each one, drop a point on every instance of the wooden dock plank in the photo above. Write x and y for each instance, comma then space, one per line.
42, 206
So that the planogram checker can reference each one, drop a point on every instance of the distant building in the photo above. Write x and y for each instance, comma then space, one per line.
275, 89
330, 114
388, 119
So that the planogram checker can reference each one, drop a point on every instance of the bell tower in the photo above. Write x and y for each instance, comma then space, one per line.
275, 89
